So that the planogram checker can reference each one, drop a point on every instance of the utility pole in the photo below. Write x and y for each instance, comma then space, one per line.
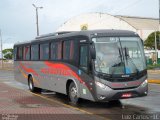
155, 47
159, 24
1, 50
156, 53
37, 25
159, 16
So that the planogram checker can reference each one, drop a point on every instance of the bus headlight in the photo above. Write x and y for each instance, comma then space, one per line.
144, 83
101, 85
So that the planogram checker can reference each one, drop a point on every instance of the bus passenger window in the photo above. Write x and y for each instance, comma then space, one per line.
15, 53
20, 53
44, 51
84, 57
56, 51
35, 52
69, 48
26, 53
66, 50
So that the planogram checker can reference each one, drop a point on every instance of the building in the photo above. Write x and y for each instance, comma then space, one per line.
90, 21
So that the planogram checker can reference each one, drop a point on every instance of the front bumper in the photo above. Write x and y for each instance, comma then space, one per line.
111, 94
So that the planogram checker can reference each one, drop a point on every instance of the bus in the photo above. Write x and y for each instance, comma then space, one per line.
97, 65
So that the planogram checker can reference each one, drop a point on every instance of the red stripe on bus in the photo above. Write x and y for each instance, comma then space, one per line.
63, 67
29, 70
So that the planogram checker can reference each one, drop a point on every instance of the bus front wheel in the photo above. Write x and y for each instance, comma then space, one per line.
73, 93
31, 86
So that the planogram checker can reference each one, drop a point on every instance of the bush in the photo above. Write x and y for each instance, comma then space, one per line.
153, 66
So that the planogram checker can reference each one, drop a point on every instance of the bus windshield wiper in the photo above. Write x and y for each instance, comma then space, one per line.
130, 59
120, 54
121, 59
98, 63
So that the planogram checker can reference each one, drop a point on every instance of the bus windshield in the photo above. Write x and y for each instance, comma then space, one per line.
119, 55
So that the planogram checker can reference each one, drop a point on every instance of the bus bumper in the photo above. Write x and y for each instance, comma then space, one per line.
111, 94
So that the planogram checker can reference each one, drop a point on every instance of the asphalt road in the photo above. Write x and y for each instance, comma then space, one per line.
145, 108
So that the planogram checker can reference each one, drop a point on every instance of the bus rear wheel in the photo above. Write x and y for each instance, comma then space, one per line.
73, 93
31, 86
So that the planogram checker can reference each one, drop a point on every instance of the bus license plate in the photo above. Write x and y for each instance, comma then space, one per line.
126, 95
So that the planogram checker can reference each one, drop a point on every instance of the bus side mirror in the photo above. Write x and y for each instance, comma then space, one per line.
92, 51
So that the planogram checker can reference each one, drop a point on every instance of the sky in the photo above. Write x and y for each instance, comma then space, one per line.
18, 21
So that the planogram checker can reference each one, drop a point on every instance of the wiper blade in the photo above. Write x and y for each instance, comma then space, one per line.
98, 63
120, 54
117, 64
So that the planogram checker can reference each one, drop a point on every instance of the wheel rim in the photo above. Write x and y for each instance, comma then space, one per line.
74, 92
30, 85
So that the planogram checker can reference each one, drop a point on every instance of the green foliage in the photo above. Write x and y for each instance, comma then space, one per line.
8, 53
153, 66
150, 41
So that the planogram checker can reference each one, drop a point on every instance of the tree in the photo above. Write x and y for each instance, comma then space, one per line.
150, 41
8, 53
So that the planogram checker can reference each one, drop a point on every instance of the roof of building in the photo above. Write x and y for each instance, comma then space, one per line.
141, 23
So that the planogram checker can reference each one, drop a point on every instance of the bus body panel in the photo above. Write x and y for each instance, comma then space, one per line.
51, 79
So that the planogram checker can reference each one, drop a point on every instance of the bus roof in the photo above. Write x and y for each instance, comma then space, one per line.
88, 33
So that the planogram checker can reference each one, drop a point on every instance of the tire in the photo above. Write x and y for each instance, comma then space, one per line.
73, 93
31, 86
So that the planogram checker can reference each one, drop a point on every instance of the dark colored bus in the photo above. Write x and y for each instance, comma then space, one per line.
97, 65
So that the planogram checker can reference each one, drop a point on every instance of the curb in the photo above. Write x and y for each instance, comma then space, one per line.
6, 69
153, 71
154, 81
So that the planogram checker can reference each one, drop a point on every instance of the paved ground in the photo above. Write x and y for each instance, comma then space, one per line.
17, 102
154, 76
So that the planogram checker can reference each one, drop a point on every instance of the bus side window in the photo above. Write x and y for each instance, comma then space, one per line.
15, 53
35, 52
56, 52
70, 49
66, 50
20, 53
44, 51
84, 57
26, 53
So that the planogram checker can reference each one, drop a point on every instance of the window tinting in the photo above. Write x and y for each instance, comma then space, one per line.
44, 51
34, 52
69, 48
26, 53
84, 57
56, 51
66, 50
15, 53
20, 53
